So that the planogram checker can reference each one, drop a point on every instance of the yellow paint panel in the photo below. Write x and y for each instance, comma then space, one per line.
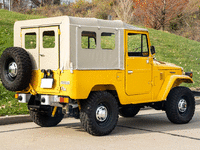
170, 82
148, 82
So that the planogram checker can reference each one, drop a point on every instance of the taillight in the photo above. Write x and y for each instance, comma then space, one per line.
64, 99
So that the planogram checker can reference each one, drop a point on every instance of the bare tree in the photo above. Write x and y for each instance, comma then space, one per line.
3, 4
124, 10
159, 13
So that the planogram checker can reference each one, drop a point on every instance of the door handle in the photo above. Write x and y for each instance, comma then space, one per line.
147, 60
130, 71
42, 55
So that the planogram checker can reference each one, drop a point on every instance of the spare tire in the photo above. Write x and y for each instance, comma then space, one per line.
15, 69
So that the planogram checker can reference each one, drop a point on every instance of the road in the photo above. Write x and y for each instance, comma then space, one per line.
150, 129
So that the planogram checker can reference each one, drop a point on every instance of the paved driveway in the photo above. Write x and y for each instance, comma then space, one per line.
150, 129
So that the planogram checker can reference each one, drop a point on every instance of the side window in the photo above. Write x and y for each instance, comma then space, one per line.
107, 41
145, 49
48, 39
88, 40
30, 40
137, 45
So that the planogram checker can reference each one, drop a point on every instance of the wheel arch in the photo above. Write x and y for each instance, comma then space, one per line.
171, 82
106, 87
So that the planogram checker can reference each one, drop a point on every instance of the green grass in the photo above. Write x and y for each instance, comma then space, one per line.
8, 104
178, 50
169, 48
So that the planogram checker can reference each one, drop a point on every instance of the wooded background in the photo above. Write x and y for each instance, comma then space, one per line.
181, 17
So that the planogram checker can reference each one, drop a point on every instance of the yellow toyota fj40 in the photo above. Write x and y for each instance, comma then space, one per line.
91, 69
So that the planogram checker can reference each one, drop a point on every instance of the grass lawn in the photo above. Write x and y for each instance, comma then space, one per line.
8, 104
169, 48
178, 50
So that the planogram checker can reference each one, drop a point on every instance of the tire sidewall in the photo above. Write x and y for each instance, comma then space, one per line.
172, 110
24, 68
88, 113
44, 119
188, 112
5, 60
112, 113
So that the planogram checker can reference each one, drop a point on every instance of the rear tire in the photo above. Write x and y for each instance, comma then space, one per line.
180, 105
129, 111
15, 69
99, 113
44, 119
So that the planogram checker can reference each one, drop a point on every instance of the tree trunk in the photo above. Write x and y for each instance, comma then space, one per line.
3, 4
10, 5
163, 15
52, 2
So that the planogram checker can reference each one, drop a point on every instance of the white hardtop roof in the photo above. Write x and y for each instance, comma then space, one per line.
78, 21
102, 23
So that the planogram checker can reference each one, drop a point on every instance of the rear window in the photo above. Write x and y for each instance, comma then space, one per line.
30, 40
48, 39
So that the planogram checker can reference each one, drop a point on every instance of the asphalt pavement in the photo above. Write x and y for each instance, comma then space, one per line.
150, 129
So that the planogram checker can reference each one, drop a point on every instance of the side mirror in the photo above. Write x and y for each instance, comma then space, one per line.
153, 50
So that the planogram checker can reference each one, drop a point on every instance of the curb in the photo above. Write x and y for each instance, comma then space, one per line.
5, 120
14, 119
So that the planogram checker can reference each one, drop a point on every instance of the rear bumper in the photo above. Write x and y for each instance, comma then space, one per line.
52, 100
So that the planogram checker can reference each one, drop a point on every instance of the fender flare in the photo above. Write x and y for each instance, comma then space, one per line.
170, 82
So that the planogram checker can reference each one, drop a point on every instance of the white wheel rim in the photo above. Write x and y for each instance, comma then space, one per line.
182, 105
101, 113
12, 69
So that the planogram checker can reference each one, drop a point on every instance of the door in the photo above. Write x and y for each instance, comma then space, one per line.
138, 64
43, 46
49, 51
30, 42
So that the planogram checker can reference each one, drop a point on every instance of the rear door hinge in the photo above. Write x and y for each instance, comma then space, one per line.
59, 33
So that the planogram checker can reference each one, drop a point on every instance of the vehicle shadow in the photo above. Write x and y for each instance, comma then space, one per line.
157, 122
141, 124
74, 126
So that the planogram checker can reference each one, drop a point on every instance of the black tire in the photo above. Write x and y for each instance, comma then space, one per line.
44, 119
90, 119
180, 105
129, 111
21, 79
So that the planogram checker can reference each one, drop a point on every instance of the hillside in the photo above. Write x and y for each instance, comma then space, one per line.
8, 104
169, 48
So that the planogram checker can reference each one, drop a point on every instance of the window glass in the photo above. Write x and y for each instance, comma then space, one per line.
107, 40
88, 40
48, 39
30, 40
137, 45
145, 50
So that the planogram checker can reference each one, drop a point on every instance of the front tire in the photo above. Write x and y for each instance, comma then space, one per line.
180, 105
44, 118
99, 113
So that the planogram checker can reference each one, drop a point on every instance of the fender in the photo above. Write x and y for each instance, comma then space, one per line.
170, 82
